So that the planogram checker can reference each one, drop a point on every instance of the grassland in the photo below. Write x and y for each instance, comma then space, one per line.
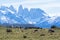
29, 34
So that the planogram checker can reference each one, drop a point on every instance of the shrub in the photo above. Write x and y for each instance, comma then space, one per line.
42, 35
51, 30
35, 30
8, 30
24, 36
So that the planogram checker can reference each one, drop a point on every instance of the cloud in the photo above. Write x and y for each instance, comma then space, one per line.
9, 1
38, 0
15, 5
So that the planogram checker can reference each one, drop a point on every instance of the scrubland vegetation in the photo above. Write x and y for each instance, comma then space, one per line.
29, 34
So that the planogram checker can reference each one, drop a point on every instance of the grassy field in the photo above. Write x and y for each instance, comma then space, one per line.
29, 34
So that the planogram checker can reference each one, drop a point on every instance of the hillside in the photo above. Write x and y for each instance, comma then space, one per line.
29, 34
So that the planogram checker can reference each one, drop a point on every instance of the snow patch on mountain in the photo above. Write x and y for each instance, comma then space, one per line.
35, 16
4, 12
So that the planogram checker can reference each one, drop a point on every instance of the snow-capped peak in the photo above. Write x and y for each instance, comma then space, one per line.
34, 16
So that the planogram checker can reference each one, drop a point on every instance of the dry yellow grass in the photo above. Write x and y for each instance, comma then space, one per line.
18, 34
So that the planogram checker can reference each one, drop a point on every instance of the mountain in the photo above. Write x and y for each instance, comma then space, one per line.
20, 11
10, 15
35, 16
3, 8
57, 21
12, 8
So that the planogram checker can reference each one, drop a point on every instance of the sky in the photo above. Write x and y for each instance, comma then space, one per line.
51, 7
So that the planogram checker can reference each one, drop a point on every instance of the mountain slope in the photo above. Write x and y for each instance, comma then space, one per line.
35, 16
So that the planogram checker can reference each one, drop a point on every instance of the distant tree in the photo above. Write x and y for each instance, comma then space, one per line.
53, 26
0, 25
